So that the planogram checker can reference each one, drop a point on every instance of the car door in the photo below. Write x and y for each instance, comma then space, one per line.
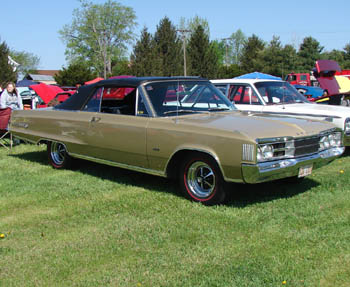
117, 130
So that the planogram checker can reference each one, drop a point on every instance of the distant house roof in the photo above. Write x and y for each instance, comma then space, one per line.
47, 72
38, 78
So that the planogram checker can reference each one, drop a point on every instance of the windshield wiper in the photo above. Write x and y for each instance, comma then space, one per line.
180, 112
218, 109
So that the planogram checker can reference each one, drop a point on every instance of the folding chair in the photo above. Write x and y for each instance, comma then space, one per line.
5, 115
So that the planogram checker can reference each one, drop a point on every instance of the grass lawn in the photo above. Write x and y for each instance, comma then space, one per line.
103, 226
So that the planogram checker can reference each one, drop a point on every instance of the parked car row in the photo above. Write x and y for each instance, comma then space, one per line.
279, 97
186, 128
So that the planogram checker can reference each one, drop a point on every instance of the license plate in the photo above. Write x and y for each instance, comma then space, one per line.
305, 170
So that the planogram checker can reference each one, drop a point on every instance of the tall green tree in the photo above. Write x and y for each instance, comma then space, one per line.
99, 33
228, 71
7, 73
290, 60
75, 73
235, 47
272, 57
192, 24
168, 48
346, 55
29, 62
203, 60
144, 59
309, 51
250, 54
220, 51
121, 67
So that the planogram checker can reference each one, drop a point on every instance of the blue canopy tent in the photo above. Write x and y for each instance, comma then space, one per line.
25, 83
257, 75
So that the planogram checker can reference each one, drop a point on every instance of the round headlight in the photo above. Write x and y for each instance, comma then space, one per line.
267, 151
338, 139
331, 140
324, 142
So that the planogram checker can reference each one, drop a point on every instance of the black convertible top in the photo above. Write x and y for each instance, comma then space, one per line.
76, 101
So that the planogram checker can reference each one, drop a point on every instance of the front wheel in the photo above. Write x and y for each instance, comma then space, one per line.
58, 155
201, 180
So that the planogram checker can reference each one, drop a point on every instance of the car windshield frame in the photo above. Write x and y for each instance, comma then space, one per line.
279, 93
184, 97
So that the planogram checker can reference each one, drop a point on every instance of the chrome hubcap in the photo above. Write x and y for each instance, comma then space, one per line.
201, 179
58, 153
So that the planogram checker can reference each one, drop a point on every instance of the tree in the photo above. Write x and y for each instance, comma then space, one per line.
28, 62
168, 48
7, 73
122, 67
220, 51
99, 33
250, 53
346, 55
272, 57
144, 59
76, 73
228, 71
235, 47
309, 51
192, 24
203, 60
290, 60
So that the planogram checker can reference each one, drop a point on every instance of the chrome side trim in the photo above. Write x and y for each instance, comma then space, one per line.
297, 114
121, 165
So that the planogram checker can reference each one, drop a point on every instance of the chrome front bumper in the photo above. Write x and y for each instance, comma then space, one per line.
268, 171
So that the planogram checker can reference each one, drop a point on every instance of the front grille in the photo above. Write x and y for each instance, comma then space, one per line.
306, 146
297, 147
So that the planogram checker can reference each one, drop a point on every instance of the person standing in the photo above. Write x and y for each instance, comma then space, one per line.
10, 98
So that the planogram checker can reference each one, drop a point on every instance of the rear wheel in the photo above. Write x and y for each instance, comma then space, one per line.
201, 179
58, 155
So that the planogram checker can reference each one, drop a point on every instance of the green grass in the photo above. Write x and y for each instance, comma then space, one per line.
103, 226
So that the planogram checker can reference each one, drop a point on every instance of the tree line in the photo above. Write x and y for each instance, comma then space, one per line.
98, 37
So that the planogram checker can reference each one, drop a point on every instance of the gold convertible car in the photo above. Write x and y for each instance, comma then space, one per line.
178, 127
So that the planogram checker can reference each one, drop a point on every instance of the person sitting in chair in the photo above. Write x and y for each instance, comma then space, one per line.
10, 98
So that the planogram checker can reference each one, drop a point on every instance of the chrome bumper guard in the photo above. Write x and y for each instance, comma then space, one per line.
272, 170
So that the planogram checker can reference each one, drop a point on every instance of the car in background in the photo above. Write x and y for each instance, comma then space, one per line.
29, 97
178, 127
310, 92
279, 97
60, 98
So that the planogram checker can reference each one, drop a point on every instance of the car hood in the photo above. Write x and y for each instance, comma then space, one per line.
255, 125
315, 109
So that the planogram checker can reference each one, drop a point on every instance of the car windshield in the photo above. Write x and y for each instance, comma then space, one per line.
279, 93
186, 97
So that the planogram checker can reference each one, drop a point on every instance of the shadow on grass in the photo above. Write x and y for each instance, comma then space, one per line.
114, 174
34, 156
346, 152
240, 195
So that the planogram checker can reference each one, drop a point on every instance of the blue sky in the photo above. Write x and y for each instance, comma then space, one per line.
33, 26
